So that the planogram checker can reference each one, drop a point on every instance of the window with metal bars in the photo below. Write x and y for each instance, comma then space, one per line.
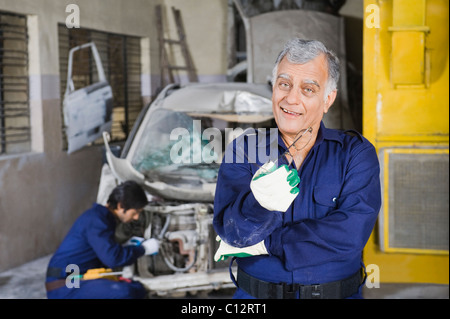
121, 59
14, 85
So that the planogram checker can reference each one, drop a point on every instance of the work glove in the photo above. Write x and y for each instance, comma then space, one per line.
226, 250
151, 246
275, 188
134, 241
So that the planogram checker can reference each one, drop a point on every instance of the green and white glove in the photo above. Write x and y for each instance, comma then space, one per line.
275, 188
226, 250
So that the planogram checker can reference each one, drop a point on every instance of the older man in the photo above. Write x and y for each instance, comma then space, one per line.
300, 236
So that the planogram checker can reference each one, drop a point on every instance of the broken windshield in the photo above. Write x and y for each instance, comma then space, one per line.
172, 148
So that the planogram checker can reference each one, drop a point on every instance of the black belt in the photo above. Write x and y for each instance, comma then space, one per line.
54, 272
267, 290
55, 284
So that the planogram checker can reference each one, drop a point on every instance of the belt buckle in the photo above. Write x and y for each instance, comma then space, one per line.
290, 290
316, 292
311, 292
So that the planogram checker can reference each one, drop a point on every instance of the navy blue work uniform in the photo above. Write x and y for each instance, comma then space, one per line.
320, 238
90, 244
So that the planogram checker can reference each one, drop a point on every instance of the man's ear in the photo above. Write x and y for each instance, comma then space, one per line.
120, 208
329, 101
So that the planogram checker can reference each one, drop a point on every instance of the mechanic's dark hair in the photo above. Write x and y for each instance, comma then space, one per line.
129, 194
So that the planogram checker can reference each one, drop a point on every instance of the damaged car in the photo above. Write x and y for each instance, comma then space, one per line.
174, 151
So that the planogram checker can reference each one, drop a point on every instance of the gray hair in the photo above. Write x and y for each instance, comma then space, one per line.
301, 51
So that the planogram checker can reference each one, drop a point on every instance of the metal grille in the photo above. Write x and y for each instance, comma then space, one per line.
419, 201
14, 107
121, 58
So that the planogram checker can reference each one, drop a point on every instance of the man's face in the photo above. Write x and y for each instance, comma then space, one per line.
298, 99
126, 216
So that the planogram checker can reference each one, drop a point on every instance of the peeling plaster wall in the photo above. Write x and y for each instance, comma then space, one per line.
40, 198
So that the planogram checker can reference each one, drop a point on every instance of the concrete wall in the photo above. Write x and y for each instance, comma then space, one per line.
205, 24
43, 191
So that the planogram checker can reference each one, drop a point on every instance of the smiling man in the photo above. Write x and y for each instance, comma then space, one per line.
304, 88
298, 227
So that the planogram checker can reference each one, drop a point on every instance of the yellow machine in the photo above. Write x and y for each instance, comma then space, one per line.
406, 117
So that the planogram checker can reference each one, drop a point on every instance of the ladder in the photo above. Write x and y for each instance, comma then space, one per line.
166, 67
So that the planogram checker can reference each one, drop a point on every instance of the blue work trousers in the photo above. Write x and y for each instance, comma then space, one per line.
101, 289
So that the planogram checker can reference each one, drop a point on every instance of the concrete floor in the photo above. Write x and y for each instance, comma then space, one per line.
27, 282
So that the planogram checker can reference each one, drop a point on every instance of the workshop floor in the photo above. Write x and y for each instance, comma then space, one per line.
27, 282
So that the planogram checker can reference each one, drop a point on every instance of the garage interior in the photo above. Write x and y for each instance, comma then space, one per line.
44, 188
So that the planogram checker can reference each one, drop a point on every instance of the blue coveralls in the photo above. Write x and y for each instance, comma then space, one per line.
321, 236
90, 244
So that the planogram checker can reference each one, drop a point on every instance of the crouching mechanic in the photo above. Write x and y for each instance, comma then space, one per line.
90, 244
297, 227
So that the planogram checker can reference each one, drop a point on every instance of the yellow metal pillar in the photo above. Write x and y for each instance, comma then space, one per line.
406, 117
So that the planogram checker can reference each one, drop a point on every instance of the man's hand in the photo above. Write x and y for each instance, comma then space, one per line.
134, 241
275, 188
151, 246
226, 250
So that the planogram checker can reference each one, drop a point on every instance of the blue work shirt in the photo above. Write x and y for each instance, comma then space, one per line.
90, 244
321, 236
